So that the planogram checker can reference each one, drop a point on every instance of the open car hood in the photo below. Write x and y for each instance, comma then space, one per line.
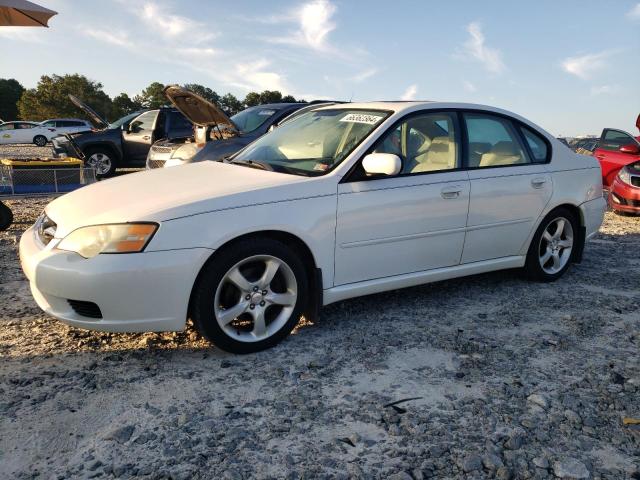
97, 119
199, 111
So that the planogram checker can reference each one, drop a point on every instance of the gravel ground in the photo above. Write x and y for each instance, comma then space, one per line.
506, 379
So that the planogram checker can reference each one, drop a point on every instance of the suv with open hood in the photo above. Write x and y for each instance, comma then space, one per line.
216, 135
125, 142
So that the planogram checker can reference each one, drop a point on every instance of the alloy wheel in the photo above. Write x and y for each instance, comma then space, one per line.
255, 298
555, 247
100, 162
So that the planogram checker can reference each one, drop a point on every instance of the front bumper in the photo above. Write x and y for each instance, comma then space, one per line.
137, 292
624, 198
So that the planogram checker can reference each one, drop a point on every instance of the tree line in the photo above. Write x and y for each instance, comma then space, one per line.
50, 99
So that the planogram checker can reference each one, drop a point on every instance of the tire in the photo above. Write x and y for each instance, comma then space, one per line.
550, 252
102, 159
279, 302
6, 217
40, 140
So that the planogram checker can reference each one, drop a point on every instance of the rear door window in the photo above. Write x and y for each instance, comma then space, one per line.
492, 142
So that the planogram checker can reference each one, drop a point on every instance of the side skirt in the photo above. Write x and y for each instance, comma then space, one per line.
378, 285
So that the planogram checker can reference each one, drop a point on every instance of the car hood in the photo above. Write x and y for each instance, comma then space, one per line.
168, 193
97, 119
199, 111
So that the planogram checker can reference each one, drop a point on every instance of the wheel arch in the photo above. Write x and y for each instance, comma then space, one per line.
106, 145
581, 234
314, 272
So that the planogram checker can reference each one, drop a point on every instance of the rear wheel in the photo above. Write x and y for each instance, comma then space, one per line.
102, 160
6, 217
250, 296
553, 246
40, 140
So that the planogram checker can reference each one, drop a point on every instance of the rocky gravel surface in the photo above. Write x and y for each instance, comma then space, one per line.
486, 377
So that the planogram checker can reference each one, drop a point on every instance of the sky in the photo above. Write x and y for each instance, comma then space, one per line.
572, 67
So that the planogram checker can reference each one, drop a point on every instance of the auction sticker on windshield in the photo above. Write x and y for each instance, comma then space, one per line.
361, 118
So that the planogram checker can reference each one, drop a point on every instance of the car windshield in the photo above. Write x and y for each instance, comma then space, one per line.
121, 121
313, 143
251, 118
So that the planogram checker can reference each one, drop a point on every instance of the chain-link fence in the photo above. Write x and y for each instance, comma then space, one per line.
42, 181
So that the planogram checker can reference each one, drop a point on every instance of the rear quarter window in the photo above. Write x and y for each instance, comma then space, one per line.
537, 145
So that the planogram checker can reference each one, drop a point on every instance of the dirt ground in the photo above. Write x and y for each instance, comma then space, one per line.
506, 379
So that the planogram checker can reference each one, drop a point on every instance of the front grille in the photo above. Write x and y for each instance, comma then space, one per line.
45, 229
155, 163
161, 149
635, 181
85, 309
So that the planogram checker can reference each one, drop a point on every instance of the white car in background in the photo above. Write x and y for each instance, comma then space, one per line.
40, 134
345, 200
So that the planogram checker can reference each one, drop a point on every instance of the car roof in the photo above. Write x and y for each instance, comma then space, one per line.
279, 106
413, 105
61, 119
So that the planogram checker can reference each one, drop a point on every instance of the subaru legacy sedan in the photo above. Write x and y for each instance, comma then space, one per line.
343, 201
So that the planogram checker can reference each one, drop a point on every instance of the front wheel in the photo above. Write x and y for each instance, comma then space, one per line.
250, 296
40, 140
553, 246
102, 160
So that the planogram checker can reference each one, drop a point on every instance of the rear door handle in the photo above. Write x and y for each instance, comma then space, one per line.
146, 137
538, 182
451, 192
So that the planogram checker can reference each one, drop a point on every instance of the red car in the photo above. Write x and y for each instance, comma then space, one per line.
615, 150
624, 193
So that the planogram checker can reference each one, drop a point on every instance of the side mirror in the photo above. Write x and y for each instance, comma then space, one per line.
382, 164
631, 148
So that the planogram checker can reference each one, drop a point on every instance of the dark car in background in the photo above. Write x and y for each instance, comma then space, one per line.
216, 135
124, 143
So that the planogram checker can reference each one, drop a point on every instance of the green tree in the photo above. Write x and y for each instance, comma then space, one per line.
152, 96
51, 97
230, 104
288, 99
123, 105
270, 96
251, 100
10, 92
204, 92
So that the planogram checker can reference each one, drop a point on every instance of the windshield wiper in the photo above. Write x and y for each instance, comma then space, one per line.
250, 164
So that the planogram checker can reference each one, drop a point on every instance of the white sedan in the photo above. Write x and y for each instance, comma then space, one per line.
344, 201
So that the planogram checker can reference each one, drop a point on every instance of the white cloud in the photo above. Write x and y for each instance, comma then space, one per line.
604, 90
314, 21
585, 65
634, 13
254, 76
469, 87
475, 48
171, 25
410, 92
364, 75
120, 39
24, 34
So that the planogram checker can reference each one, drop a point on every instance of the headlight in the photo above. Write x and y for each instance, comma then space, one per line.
624, 175
185, 152
116, 238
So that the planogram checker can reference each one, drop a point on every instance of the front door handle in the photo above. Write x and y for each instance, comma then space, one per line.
451, 192
538, 182
146, 137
